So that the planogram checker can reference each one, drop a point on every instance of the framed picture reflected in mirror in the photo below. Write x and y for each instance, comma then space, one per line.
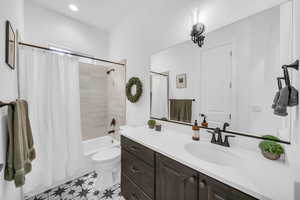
10, 46
181, 81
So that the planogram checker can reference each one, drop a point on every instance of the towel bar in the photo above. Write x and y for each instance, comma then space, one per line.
183, 99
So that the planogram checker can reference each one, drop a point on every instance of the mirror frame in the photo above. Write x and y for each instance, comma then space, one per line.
229, 132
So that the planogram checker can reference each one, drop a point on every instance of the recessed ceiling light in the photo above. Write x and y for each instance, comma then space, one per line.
73, 7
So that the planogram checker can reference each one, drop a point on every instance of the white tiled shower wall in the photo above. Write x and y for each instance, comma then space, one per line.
102, 98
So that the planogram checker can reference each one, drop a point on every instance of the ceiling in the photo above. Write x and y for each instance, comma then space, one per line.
104, 14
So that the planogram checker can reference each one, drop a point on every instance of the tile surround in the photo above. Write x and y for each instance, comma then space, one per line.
93, 100
102, 98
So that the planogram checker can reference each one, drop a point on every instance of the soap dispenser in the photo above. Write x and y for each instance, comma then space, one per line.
204, 122
196, 131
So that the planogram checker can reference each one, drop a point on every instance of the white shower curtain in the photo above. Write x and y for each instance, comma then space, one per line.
50, 84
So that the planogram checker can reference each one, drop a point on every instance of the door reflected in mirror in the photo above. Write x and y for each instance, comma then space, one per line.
232, 78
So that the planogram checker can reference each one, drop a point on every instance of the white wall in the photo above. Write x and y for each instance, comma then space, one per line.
9, 10
165, 23
44, 27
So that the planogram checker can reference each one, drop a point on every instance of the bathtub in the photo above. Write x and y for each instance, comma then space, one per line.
92, 146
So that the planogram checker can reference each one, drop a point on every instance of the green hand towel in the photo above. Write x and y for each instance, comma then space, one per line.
20, 151
181, 110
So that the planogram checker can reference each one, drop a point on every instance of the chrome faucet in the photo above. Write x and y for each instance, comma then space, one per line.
219, 140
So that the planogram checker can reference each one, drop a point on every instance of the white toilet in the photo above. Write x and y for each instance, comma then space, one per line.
107, 164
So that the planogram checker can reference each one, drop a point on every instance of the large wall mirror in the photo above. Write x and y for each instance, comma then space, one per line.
232, 78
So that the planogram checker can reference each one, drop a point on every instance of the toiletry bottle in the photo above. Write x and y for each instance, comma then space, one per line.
204, 123
196, 130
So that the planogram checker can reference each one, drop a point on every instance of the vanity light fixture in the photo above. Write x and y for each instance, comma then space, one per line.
198, 29
197, 34
73, 7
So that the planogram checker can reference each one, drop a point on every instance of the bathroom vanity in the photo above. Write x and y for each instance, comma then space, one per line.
147, 175
170, 166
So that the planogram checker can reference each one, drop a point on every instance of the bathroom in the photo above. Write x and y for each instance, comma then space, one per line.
114, 89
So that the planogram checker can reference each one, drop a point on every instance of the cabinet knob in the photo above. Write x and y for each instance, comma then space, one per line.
192, 179
133, 169
202, 184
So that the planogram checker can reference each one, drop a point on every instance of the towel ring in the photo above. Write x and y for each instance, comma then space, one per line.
295, 66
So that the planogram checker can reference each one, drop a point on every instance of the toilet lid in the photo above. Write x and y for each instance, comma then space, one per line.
107, 154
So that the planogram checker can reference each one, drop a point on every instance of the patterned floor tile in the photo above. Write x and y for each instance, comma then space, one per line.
81, 188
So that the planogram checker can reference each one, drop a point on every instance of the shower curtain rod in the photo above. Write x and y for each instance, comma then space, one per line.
69, 53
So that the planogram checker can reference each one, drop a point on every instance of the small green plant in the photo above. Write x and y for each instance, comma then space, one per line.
271, 146
151, 123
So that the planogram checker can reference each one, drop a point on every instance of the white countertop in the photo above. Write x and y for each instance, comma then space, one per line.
252, 173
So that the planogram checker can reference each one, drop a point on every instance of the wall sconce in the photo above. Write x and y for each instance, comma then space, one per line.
197, 34
198, 29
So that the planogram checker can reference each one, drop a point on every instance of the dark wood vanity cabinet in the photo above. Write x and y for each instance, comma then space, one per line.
175, 181
138, 174
147, 175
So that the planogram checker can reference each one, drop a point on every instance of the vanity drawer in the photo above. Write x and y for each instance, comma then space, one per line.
138, 150
139, 172
212, 189
130, 191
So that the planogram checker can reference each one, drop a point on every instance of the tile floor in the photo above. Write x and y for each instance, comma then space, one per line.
81, 188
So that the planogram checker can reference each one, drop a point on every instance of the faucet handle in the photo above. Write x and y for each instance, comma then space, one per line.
225, 125
213, 138
226, 142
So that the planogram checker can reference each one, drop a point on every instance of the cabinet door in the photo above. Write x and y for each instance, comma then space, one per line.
210, 189
175, 181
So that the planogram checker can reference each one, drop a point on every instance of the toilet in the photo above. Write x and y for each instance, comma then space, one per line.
107, 163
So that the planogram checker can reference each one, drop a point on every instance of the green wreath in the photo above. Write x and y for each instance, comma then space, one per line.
139, 89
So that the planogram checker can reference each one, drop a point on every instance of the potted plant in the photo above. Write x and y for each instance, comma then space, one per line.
271, 149
151, 123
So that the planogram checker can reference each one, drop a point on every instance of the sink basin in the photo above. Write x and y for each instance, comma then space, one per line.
212, 153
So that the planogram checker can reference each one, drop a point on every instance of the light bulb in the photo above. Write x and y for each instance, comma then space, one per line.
73, 7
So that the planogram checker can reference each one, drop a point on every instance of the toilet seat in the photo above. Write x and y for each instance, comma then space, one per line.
107, 155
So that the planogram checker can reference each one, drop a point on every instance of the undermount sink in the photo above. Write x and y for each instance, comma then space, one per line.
212, 153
